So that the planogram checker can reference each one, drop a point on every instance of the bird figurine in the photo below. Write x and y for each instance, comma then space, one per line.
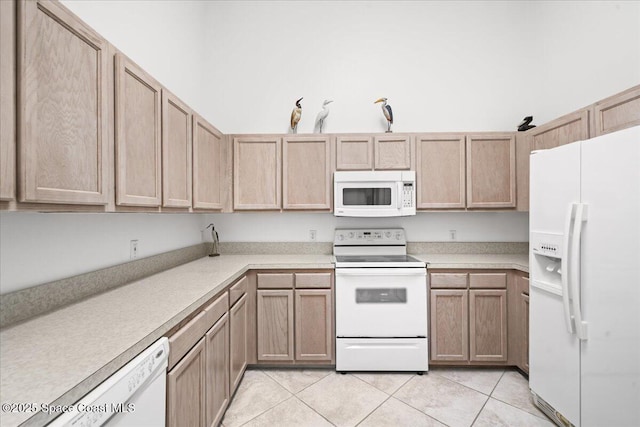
296, 114
323, 113
386, 110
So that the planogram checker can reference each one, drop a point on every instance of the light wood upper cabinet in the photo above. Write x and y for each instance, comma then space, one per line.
523, 152
488, 325
217, 371
306, 173
354, 153
186, 389
176, 152
449, 325
564, 130
440, 171
256, 173
208, 165
238, 320
491, 170
63, 126
617, 112
138, 130
314, 324
275, 325
392, 152
8, 100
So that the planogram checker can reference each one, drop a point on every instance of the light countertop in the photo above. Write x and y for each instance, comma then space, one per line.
59, 357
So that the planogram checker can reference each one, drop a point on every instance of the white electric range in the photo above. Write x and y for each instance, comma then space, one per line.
381, 302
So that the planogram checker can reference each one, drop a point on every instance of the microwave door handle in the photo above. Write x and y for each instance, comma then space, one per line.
400, 194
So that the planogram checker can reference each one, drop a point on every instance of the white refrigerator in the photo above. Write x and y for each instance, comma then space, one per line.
584, 366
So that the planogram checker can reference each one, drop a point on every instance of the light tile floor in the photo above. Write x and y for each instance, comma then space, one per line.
442, 397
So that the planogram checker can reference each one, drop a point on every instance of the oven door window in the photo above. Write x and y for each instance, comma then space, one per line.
381, 296
366, 196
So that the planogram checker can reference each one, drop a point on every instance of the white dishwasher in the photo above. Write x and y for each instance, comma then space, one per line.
135, 396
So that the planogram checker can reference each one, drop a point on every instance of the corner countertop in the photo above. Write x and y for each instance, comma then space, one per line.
59, 357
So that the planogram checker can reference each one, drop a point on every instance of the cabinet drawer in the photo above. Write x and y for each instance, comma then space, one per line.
217, 309
488, 280
187, 337
313, 280
237, 290
275, 280
448, 280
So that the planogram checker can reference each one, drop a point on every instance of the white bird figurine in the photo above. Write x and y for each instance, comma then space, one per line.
296, 114
323, 113
386, 110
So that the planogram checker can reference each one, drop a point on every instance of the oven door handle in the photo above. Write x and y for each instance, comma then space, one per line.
381, 272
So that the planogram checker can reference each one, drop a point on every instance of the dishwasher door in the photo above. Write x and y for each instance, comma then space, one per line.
135, 396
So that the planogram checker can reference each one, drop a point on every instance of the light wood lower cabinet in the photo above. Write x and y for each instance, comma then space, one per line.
488, 325
295, 325
314, 337
468, 325
238, 319
186, 389
449, 325
217, 371
275, 325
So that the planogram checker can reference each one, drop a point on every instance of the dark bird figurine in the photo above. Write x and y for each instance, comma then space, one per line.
296, 114
386, 110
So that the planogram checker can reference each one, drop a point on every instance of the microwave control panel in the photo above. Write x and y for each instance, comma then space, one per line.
407, 196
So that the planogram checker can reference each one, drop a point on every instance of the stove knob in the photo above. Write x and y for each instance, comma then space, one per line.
351, 235
398, 235
387, 234
340, 237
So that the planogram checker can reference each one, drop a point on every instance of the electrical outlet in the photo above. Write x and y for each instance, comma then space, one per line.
133, 249
312, 235
452, 234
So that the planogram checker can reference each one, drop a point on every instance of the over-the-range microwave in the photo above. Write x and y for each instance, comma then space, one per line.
374, 193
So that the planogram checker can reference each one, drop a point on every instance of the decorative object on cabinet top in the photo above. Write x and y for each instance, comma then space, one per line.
525, 124
296, 114
322, 115
388, 113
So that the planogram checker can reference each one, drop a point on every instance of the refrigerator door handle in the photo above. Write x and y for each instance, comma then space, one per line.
574, 279
564, 262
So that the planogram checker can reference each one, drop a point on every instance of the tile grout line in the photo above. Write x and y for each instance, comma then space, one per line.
488, 398
374, 409
512, 405
310, 407
471, 388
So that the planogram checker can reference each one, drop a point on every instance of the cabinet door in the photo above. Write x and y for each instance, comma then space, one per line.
275, 325
62, 107
8, 100
208, 165
523, 152
564, 130
138, 173
217, 377
256, 173
525, 332
620, 111
449, 325
491, 171
237, 342
306, 173
488, 325
440, 171
392, 152
186, 390
176, 152
314, 326
354, 153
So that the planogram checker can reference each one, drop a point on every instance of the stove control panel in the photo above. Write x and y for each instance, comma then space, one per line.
369, 237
